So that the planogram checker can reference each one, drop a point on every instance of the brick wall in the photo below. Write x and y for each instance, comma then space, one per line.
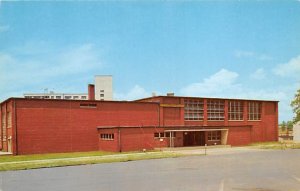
62, 126
132, 139
47, 126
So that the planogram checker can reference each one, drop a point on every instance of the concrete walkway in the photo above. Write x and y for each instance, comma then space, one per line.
215, 150
5, 153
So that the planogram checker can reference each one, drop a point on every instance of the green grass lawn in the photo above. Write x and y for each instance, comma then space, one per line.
69, 159
276, 145
11, 158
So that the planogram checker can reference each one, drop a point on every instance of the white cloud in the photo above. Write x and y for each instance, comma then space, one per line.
259, 74
214, 85
223, 84
291, 68
74, 60
250, 54
136, 92
47, 68
4, 28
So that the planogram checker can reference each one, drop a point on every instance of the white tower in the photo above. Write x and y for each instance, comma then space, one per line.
103, 87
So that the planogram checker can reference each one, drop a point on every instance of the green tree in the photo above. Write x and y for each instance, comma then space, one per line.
283, 126
290, 125
296, 106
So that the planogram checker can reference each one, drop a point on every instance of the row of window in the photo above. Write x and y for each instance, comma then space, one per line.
212, 135
194, 110
58, 97
101, 95
107, 136
215, 110
164, 135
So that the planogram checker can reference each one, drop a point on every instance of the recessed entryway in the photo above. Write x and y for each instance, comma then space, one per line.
193, 138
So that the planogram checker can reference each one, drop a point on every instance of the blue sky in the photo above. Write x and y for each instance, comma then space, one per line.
236, 49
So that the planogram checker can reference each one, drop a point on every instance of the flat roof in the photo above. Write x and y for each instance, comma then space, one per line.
72, 100
137, 101
189, 130
190, 97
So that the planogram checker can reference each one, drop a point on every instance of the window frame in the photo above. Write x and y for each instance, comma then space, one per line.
215, 110
214, 136
193, 109
107, 136
163, 135
235, 110
254, 111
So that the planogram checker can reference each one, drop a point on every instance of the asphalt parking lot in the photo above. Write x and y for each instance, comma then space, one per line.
274, 170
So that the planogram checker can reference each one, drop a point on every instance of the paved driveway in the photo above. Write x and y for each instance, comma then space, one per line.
242, 171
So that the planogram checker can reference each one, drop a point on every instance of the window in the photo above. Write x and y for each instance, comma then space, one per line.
235, 110
215, 110
101, 91
101, 95
83, 97
106, 136
88, 105
193, 109
75, 97
68, 97
167, 134
164, 135
254, 111
214, 135
58, 97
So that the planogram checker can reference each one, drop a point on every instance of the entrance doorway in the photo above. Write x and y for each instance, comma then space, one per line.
196, 138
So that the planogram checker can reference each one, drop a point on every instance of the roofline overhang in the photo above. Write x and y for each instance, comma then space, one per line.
71, 100
191, 97
188, 130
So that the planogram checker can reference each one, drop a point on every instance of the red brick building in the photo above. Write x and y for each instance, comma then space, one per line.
31, 126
